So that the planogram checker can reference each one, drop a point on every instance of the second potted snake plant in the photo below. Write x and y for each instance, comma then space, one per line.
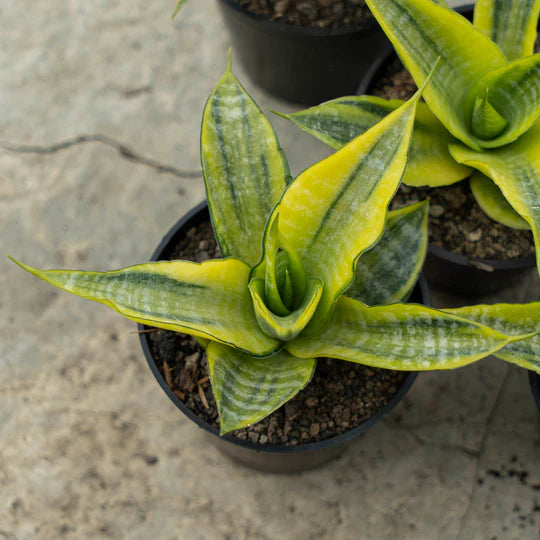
479, 120
297, 256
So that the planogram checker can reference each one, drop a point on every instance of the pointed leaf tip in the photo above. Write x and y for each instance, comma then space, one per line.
229, 60
281, 115
26, 267
244, 167
177, 8
423, 86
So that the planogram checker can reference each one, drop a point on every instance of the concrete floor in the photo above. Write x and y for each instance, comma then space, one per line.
91, 446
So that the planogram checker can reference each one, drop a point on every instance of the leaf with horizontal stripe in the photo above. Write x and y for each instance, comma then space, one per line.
491, 200
512, 319
337, 208
245, 170
401, 336
511, 24
512, 91
515, 168
388, 271
248, 389
421, 32
210, 299
339, 121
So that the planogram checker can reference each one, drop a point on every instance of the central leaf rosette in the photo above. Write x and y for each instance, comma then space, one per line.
284, 298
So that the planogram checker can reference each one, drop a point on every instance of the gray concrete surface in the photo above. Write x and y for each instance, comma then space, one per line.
91, 447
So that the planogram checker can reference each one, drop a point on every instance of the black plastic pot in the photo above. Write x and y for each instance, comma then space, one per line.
534, 380
474, 277
446, 269
268, 458
299, 64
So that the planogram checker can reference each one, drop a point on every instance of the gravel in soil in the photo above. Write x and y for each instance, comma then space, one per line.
313, 13
339, 397
456, 221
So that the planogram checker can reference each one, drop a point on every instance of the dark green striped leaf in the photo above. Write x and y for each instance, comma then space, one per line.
247, 389
210, 300
339, 121
337, 208
511, 24
401, 336
512, 319
421, 32
388, 271
244, 169
515, 168
492, 201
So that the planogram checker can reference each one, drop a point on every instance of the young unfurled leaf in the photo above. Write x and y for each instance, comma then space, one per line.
492, 201
247, 389
244, 169
336, 209
511, 24
282, 272
401, 336
210, 299
486, 122
285, 327
339, 121
515, 168
513, 99
388, 271
512, 319
421, 32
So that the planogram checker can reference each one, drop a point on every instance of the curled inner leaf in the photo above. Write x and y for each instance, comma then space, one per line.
285, 327
284, 275
486, 123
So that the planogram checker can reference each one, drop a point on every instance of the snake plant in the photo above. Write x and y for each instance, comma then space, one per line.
302, 262
482, 104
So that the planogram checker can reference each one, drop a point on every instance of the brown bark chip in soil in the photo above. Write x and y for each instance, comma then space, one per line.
339, 397
314, 13
456, 221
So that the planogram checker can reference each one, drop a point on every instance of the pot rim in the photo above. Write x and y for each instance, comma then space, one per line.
450, 256
270, 448
494, 264
304, 31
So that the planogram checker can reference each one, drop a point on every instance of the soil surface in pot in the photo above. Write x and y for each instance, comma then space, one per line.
339, 397
456, 221
314, 13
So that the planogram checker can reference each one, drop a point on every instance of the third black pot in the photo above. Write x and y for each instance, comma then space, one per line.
444, 268
302, 64
265, 457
